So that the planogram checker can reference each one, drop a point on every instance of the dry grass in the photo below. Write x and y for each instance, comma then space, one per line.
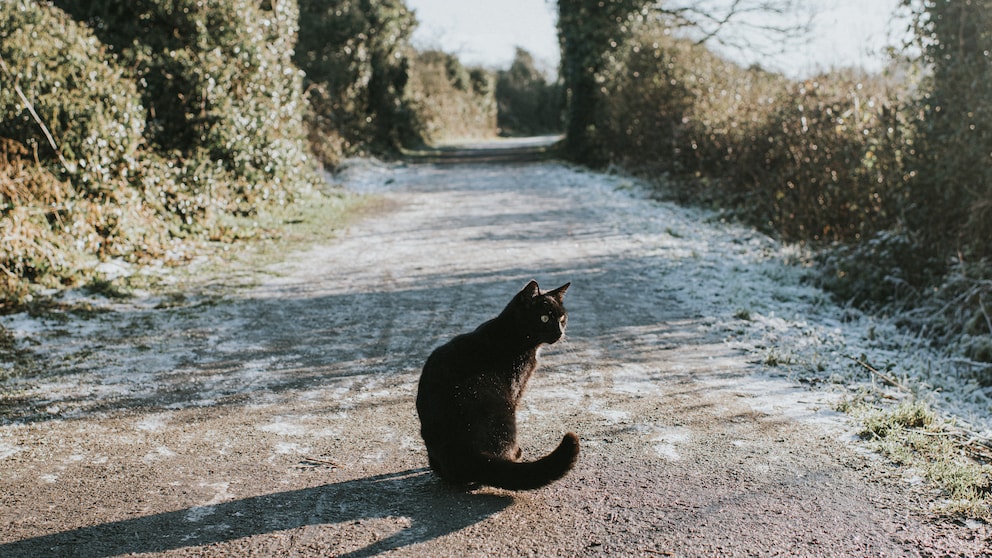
910, 434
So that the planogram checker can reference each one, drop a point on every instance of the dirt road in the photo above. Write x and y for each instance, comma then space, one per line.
277, 418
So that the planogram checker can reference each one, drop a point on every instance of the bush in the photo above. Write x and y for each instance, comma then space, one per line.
588, 31
951, 203
885, 269
820, 160
165, 115
960, 312
355, 54
527, 103
91, 109
59, 204
32, 199
218, 81
449, 100
828, 161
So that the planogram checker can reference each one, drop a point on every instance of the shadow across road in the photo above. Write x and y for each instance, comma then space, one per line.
432, 508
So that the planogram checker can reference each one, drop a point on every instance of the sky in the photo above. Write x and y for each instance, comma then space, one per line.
487, 32
845, 33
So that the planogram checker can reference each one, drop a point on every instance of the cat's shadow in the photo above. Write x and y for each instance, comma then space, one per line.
425, 507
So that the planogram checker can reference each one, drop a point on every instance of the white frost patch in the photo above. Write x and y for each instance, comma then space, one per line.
284, 428
197, 513
374, 457
780, 397
153, 423
556, 392
612, 416
157, 454
49, 478
289, 448
7, 450
666, 444
634, 379
411, 443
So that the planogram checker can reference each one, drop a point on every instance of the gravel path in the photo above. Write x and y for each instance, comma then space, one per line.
277, 418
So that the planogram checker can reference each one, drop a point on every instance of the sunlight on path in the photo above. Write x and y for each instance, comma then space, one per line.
278, 415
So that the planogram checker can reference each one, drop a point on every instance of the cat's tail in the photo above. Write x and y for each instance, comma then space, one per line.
528, 475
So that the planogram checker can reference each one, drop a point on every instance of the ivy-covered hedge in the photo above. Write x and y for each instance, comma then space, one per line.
356, 56
58, 69
164, 114
71, 143
218, 82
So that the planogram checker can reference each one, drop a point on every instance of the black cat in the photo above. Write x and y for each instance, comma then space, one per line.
470, 389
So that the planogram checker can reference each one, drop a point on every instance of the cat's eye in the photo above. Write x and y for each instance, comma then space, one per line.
545, 318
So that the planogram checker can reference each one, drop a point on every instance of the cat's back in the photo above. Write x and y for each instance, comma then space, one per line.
459, 353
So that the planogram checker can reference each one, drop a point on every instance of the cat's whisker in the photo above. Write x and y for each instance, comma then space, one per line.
569, 353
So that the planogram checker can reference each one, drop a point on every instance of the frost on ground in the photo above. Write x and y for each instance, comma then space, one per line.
275, 415
758, 293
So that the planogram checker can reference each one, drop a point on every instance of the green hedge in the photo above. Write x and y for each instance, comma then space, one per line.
356, 57
951, 202
59, 204
68, 77
218, 82
527, 103
166, 114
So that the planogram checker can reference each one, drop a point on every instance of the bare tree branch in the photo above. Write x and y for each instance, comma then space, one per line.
738, 24
37, 119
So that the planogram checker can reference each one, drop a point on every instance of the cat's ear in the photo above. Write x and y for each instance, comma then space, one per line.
530, 291
559, 292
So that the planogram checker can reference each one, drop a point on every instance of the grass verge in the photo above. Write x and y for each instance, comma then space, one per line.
245, 248
910, 434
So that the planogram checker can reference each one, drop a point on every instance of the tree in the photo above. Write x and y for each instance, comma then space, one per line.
355, 54
952, 195
528, 104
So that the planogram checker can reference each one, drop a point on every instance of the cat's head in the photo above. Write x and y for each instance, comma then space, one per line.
541, 315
